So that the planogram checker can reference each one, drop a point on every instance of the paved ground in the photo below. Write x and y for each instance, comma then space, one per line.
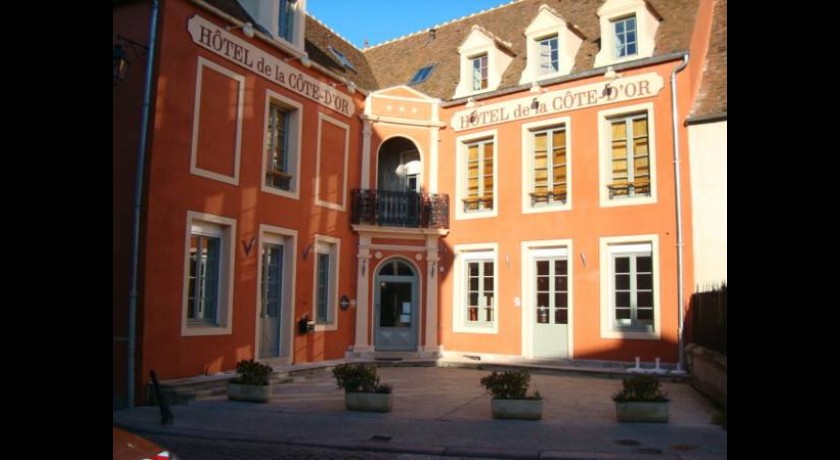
438, 412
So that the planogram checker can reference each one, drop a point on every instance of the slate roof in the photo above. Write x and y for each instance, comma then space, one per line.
711, 98
396, 61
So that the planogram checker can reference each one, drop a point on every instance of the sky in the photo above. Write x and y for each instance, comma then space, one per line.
382, 20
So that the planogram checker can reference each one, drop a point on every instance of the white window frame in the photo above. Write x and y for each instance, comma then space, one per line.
462, 143
477, 43
332, 156
609, 246
617, 46
225, 227
270, 234
647, 22
528, 131
553, 65
295, 114
531, 251
479, 58
240, 104
605, 155
549, 24
465, 253
331, 246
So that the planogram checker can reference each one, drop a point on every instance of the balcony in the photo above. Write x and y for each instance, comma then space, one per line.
400, 209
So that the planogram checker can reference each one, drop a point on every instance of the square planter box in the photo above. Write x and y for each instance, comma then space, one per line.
522, 409
250, 393
368, 402
642, 411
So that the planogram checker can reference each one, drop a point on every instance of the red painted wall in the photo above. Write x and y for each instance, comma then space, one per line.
173, 191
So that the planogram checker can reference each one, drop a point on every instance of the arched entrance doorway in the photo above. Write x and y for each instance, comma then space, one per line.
396, 305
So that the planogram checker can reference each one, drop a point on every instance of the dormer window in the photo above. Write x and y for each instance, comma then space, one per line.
286, 24
551, 44
342, 59
628, 29
484, 58
284, 20
421, 75
548, 55
479, 72
625, 36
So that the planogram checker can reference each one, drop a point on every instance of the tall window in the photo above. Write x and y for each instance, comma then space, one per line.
481, 306
629, 156
548, 55
323, 289
625, 36
278, 173
206, 306
632, 287
282, 145
287, 19
479, 195
549, 163
205, 252
552, 290
479, 72
326, 283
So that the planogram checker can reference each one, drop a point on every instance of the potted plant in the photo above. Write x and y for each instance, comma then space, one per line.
510, 399
251, 382
362, 390
641, 400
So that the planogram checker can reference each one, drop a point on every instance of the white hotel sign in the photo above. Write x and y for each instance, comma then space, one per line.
578, 97
234, 49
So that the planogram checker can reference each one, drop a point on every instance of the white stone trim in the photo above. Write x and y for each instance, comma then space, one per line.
549, 23
224, 307
464, 253
295, 143
527, 162
270, 234
607, 247
604, 152
318, 201
332, 246
646, 24
240, 101
476, 44
543, 248
461, 174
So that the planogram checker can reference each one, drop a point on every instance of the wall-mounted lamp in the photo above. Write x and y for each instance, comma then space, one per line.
471, 103
351, 87
536, 88
121, 62
611, 76
344, 303
307, 250
247, 29
364, 266
303, 60
434, 264
535, 104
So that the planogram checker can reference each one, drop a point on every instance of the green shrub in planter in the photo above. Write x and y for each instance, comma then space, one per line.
358, 378
640, 388
250, 372
509, 384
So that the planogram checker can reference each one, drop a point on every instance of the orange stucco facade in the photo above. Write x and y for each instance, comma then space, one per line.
206, 165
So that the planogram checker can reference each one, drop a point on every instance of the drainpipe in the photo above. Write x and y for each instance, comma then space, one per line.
678, 196
138, 201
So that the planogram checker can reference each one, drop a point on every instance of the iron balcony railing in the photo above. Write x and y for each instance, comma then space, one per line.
400, 209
